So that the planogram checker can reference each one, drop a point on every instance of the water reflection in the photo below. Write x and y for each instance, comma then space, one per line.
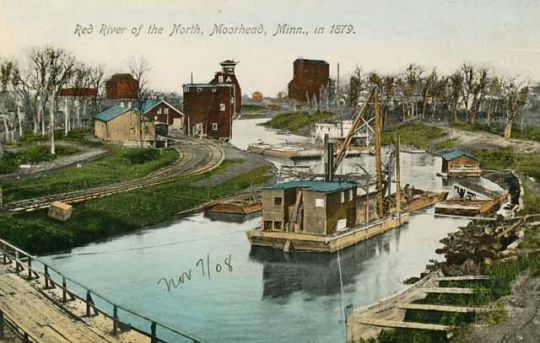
231, 217
317, 274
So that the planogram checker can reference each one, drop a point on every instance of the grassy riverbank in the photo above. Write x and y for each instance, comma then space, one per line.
126, 212
529, 133
296, 122
10, 161
415, 134
487, 292
120, 165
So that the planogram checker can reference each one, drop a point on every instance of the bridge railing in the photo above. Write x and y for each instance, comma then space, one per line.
26, 266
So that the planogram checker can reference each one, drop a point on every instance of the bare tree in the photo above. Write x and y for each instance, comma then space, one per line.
426, 90
516, 98
61, 69
494, 94
456, 91
140, 70
97, 82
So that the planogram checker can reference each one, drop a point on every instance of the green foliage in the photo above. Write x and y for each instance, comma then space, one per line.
505, 158
9, 163
444, 145
254, 116
528, 133
415, 134
296, 121
124, 212
531, 202
252, 107
120, 165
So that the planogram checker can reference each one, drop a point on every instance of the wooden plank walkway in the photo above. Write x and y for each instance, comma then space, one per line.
403, 325
448, 290
463, 278
442, 308
46, 322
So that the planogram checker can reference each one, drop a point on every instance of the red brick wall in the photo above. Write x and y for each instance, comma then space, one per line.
308, 77
122, 86
202, 105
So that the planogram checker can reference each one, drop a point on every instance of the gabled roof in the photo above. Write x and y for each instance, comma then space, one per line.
149, 104
458, 153
316, 186
111, 113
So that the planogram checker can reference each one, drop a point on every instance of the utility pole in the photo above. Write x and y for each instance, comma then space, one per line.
380, 200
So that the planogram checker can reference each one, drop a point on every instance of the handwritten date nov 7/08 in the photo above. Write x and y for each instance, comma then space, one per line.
206, 268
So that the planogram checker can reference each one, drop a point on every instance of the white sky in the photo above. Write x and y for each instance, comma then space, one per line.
390, 34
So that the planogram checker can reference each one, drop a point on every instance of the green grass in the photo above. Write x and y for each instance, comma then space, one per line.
505, 158
531, 202
486, 292
252, 107
444, 145
121, 213
528, 133
120, 165
296, 121
10, 162
415, 134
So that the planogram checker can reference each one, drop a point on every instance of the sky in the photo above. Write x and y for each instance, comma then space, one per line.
387, 35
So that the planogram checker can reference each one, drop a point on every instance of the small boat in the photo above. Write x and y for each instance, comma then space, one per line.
412, 150
282, 132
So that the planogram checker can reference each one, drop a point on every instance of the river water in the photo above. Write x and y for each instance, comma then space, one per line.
241, 294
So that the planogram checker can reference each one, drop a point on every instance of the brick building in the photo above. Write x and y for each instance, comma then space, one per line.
227, 75
209, 109
122, 86
308, 78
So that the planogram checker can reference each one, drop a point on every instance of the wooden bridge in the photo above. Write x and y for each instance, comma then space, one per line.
41, 305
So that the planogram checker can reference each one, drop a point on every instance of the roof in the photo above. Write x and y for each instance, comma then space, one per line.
111, 113
228, 62
316, 186
149, 104
458, 153
311, 61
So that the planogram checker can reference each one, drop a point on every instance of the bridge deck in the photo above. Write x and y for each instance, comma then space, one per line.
46, 322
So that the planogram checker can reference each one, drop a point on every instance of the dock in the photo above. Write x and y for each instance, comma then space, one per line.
473, 200
241, 204
298, 150
389, 313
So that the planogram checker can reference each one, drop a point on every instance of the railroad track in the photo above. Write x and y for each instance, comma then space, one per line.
197, 157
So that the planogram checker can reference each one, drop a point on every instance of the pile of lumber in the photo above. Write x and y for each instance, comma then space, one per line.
477, 244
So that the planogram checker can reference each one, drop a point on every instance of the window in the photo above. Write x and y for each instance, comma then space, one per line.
319, 202
342, 197
222, 107
351, 194
214, 90
122, 104
159, 111
267, 225
277, 226
232, 100
129, 104
220, 78
214, 126
278, 200
186, 89
166, 110
199, 90
155, 117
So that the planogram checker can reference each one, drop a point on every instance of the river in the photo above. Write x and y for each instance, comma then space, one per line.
258, 295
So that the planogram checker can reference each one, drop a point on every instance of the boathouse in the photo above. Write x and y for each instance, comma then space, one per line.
312, 207
460, 163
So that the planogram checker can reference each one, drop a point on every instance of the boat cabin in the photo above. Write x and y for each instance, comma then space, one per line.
460, 163
311, 207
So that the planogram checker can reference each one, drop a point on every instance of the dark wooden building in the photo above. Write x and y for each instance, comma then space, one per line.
312, 207
161, 111
227, 76
209, 109
308, 79
122, 86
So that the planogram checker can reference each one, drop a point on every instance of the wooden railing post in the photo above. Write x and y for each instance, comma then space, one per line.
115, 320
89, 301
25, 337
64, 291
1, 324
153, 333
29, 268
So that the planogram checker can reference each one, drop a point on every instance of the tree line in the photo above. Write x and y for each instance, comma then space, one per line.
416, 93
